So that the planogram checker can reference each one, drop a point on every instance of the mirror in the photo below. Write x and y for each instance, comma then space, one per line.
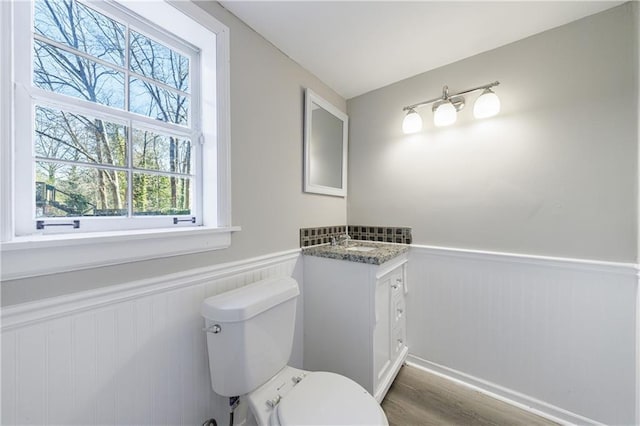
325, 147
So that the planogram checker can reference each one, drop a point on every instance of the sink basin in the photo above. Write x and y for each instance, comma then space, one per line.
361, 249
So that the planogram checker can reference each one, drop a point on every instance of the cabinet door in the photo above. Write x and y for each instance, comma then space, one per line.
381, 329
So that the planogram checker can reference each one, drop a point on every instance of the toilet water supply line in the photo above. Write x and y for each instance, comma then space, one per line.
234, 401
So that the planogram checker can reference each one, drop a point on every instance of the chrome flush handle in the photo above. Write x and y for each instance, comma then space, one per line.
214, 328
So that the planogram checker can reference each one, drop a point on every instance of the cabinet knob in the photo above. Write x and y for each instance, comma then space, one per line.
394, 286
400, 311
399, 280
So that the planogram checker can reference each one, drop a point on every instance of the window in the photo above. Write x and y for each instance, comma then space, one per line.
116, 123
108, 133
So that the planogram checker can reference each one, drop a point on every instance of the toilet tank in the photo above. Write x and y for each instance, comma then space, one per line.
250, 334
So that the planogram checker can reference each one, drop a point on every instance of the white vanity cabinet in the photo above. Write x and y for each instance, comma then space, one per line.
354, 319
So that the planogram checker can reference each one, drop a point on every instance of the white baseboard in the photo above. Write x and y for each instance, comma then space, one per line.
503, 394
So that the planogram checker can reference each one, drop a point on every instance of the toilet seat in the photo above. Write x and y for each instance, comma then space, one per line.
323, 398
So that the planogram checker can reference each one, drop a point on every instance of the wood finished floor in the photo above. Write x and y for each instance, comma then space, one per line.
417, 397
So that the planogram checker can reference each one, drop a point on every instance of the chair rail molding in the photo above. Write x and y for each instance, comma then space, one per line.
133, 353
624, 268
23, 314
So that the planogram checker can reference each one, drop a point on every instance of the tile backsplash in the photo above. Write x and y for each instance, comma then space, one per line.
387, 234
321, 235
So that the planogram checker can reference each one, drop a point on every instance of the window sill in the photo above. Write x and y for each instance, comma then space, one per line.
31, 256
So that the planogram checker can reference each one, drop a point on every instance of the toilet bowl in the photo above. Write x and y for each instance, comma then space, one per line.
249, 341
314, 398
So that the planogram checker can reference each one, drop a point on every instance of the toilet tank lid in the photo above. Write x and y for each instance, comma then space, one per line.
248, 301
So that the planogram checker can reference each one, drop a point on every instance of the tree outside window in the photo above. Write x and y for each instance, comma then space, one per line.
100, 164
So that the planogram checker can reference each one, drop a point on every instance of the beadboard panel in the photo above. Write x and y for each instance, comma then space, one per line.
557, 335
133, 355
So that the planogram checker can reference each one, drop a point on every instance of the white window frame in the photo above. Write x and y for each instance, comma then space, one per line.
27, 96
32, 255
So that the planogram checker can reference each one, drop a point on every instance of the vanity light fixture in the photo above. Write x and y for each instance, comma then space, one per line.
445, 108
487, 104
444, 114
412, 122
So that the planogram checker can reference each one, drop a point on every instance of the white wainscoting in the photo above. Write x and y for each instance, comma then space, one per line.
556, 335
128, 354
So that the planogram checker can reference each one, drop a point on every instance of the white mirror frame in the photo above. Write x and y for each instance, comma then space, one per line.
313, 98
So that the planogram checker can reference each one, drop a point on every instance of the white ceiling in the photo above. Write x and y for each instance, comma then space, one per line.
359, 46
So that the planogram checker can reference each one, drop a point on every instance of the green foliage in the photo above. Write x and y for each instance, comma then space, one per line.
77, 203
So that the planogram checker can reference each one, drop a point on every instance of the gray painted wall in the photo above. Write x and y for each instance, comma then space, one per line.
267, 104
554, 174
636, 31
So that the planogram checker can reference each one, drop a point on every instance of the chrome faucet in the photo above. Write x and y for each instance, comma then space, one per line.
343, 239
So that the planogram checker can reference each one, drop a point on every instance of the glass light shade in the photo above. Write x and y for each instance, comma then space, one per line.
487, 105
412, 122
445, 114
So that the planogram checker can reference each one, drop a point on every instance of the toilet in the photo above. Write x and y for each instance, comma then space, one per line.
249, 341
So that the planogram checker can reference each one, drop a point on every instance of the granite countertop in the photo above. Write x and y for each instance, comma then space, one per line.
381, 252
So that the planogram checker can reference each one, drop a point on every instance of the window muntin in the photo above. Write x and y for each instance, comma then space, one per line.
153, 151
164, 65
59, 71
147, 188
79, 191
158, 103
82, 29
78, 138
87, 164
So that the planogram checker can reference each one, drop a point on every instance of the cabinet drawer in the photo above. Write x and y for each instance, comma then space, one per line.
397, 285
398, 341
398, 313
